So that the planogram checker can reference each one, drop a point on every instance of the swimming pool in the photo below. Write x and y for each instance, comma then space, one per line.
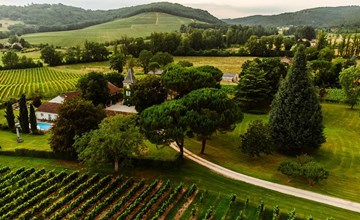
44, 126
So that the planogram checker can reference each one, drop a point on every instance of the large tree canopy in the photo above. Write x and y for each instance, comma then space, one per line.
117, 62
183, 80
144, 59
295, 117
210, 110
259, 81
117, 139
10, 59
115, 78
162, 58
94, 88
76, 116
147, 92
165, 123
253, 91
51, 56
350, 83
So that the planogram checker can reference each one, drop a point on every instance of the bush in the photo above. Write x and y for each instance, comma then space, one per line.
185, 63
335, 95
257, 139
314, 172
304, 166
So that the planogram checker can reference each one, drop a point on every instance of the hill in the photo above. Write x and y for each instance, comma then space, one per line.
59, 17
343, 16
140, 25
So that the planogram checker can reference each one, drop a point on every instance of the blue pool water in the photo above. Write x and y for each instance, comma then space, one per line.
44, 126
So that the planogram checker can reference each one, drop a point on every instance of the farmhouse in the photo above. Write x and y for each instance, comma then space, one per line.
230, 77
49, 110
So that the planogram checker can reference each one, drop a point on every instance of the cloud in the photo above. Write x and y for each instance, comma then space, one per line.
229, 11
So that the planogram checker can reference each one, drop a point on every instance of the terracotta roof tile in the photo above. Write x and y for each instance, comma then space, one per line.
49, 107
113, 89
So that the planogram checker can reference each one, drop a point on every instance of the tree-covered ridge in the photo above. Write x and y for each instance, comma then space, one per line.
343, 16
58, 17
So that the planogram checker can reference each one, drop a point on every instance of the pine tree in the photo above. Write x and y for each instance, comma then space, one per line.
253, 89
33, 122
23, 115
295, 118
9, 115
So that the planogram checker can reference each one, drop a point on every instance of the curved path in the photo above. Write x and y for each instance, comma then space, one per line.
337, 202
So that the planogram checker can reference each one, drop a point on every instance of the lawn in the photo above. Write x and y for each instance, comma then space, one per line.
340, 154
190, 172
140, 25
41, 142
34, 142
225, 64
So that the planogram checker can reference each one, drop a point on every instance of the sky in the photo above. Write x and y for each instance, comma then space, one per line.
220, 9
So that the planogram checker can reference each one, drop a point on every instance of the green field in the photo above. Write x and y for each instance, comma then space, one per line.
48, 82
141, 25
340, 154
225, 64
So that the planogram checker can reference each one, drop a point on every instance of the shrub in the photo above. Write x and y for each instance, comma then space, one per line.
256, 140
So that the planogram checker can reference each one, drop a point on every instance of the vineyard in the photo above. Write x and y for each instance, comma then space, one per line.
37, 194
47, 82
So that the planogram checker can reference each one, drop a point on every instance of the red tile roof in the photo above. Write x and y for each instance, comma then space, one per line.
49, 107
113, 89
52, 107
71, 95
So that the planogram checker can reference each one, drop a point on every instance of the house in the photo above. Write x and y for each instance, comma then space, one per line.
230, 77
49, 111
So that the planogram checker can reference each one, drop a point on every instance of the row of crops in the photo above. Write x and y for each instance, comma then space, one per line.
46, 81
37, 194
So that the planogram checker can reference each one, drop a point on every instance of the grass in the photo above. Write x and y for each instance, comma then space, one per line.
141, 25
41, 142
225, 64
34, 142
38, 163
340, 154
83, 68
190, 172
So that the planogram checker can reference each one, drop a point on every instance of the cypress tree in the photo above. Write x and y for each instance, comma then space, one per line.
33, 122
9, 115
295, 118
23, 115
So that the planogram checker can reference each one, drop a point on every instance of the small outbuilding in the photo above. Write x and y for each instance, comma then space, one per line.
230, 77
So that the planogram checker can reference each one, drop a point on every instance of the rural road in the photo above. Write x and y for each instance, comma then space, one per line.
333, 201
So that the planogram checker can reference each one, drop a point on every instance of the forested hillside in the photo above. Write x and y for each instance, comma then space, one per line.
58, 17
344, 16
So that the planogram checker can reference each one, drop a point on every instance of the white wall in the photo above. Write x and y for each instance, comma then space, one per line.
46, 116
